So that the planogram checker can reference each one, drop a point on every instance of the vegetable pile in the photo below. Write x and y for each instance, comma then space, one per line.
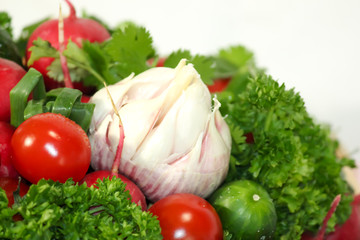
112, 141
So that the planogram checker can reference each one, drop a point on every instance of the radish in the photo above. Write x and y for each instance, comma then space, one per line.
10, 75
10, 185
321, 233
76, 29
6, 167
351, 228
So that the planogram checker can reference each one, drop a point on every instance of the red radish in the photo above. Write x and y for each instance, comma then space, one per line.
6, 167
10, 185
76, 29
91, 179
351, 228
10, 75
321, 234
62, 47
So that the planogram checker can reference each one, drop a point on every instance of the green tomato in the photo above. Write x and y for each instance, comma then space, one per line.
245, 209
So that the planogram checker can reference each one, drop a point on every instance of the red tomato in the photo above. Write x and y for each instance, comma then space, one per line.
136, 195
219, 85
10, 185
160, 62
187, 216
50, 146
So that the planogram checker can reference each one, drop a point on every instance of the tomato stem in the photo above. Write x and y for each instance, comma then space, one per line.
64, 66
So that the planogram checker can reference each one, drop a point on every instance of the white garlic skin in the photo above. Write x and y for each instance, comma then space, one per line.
175, 140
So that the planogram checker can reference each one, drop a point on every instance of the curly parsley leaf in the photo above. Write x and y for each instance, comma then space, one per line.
292, 157
52, 210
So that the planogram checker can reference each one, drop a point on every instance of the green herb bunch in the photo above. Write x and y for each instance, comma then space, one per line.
288, 153
52, 210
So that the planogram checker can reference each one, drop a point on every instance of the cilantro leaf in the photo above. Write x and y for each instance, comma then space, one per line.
237, 55
41, 49
238, 63
76, 74
174, 58
129, 49
292, 156
203, 64
52, 210
126, 52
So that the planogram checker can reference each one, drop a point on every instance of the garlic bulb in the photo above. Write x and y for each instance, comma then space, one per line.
175, 140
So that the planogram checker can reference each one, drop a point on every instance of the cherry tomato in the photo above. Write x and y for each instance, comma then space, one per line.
219, 85
10, 185
187, 216
50, 146
136, 195
160, 62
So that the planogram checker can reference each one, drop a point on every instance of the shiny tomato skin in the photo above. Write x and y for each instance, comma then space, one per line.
187, 216
50, 146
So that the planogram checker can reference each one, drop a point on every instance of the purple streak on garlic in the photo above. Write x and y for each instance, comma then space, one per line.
175, 140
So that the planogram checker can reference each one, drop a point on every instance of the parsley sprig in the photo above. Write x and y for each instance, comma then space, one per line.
52, 210
292, 156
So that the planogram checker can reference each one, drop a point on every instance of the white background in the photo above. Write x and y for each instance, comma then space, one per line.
311, 45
